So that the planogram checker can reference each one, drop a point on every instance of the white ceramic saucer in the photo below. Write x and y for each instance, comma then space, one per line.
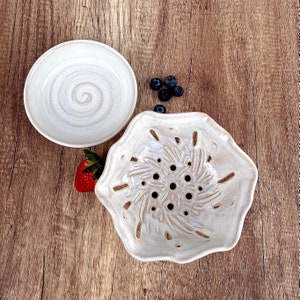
80, 93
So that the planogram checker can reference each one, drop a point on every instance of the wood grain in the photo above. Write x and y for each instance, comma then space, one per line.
238, 61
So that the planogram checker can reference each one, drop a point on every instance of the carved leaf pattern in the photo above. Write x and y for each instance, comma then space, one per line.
174, 199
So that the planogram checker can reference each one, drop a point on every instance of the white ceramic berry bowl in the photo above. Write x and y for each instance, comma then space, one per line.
177, 187
80, 93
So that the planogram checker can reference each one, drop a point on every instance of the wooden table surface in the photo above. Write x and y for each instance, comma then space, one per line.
238, 62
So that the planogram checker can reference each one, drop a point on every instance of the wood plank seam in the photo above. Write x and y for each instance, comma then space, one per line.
258, 180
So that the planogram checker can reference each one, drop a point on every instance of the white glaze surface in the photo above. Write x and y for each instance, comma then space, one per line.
177, 186
80, 93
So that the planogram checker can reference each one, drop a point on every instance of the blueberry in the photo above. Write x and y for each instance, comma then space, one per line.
170, 81
178, 91
160, 109
155, 83
164, 95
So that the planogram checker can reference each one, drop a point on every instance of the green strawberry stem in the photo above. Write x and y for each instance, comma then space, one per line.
98, 173
92, 156
96, 164
92, 168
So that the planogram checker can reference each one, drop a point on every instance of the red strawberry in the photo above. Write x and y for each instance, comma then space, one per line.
88, 172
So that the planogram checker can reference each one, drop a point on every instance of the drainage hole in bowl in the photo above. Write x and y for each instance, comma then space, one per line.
173, 186
200, 188
189, 196
170, 206
187, 178
143, 183
153, 208
173, 168
155, 176
186, 213
158, 160
154, 195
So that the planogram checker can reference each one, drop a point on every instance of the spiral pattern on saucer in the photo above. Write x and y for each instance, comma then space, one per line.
80, 93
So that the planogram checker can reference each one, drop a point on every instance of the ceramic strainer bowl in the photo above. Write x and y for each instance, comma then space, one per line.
177, 187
